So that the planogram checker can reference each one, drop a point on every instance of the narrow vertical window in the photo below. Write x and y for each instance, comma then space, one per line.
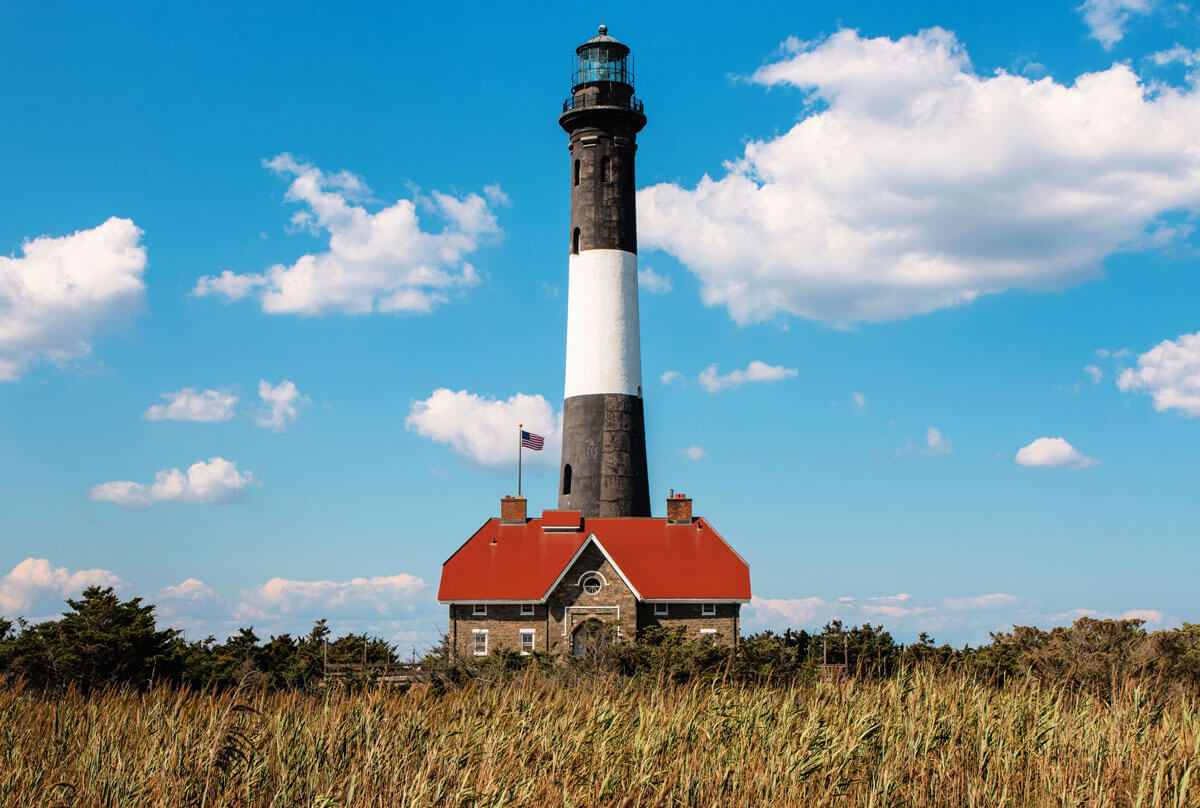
527, 640
575, 242
567, 471
480, 641
576, 172
606, 168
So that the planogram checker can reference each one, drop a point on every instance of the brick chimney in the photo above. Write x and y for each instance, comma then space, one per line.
512, 510
679, 508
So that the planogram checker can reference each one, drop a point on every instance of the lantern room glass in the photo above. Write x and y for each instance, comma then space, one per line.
604, 63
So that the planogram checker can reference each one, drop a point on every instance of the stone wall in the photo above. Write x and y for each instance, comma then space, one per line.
503, 624
688, 616
614, 605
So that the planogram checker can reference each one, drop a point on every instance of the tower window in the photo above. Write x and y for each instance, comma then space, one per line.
575, 242
606, 168
576, 172
567, 471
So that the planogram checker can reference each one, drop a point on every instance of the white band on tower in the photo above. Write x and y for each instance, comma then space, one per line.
603, 339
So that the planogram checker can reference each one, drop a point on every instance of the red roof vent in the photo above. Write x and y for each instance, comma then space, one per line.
556, 521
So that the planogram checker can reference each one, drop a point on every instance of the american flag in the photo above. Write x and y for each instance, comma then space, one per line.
532, 441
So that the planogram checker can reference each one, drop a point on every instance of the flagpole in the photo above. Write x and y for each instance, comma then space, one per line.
519, 447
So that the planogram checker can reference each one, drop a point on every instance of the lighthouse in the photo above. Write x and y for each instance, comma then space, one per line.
603, 470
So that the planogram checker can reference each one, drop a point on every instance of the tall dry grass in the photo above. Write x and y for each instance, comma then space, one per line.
920, 739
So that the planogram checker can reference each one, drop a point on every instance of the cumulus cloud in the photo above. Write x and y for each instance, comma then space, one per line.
777, 614
1054, 452
937, 442
283, 402
654, 283
35, 580
1094, 373
693, 452
1106, 19
756, 371
280, 597
1170, 372
188, 405
913, 184
376, 262
483, 431
215, 481
66, 290
670, 377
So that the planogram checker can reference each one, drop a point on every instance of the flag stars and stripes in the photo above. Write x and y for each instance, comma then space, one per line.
532, 441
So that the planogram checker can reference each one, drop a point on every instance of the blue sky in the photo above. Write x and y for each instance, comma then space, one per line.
919, 319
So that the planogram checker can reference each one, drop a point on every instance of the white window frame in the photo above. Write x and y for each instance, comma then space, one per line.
709, 634
532, 635
479, 610
527, 610
661, 609
708, 610
476, 634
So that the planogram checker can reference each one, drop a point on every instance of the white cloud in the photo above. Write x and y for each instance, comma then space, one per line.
483, 431
858, 403
937, 442
215, 481
756, 371
188, 405
65, 291
913, 184
777, 614
1055, 452
1094, 373
671, 377
1170, 372
994, 601
376, 262
34, 581
654, 283
283, 402
360, 597
693, 453
1153, 617
1177, 54
1106, 19
189, 590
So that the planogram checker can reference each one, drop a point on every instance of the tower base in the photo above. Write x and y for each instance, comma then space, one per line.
603, 471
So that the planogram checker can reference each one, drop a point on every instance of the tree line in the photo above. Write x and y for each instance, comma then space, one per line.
102, 641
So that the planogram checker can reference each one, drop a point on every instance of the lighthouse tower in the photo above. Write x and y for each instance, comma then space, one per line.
603, 471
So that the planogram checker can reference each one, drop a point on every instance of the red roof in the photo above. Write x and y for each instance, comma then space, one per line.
659, 560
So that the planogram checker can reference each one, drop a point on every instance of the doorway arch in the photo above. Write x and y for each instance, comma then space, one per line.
590, 636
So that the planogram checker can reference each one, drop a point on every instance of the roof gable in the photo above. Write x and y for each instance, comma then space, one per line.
657, 559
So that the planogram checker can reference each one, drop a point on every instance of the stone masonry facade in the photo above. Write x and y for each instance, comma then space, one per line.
569, 607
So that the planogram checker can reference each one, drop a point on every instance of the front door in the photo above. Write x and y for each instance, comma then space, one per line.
590, 636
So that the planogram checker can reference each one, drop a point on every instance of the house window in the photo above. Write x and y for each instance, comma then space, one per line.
708, 609
591, 584
480, 641
708, 634
527, 635
526, 609
479, 610
660, 609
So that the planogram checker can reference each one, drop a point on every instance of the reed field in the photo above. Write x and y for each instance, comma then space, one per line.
916, 739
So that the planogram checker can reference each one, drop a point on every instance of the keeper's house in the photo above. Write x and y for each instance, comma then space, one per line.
565, 582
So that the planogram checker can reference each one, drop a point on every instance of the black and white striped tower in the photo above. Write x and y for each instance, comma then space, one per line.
604, 432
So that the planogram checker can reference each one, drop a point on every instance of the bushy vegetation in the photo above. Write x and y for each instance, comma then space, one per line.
918, 738
103, 641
